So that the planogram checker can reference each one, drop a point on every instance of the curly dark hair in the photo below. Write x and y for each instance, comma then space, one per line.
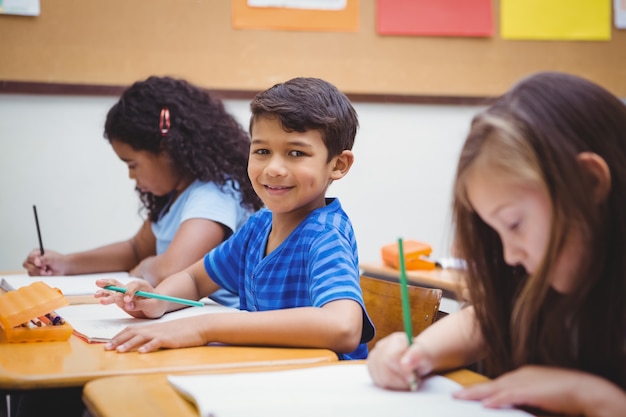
204, 141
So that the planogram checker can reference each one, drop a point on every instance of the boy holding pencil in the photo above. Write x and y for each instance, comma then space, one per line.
294, 264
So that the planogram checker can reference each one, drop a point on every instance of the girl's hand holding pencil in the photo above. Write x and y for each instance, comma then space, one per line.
405, 362
394, 364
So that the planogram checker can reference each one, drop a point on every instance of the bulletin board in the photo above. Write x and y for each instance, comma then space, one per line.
94, 44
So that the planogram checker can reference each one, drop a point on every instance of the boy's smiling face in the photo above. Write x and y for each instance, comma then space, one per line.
289, 170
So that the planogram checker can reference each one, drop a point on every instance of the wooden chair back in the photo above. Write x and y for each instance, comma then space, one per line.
383, 301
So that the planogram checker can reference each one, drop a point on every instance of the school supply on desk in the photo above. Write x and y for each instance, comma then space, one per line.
69, 284
406, 308
97, 323
451, 263
27, 314
157, 296
415, 255
49, 318
5, 286
38, 230
332, 390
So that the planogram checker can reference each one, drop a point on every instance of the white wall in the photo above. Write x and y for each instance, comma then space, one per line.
53, 155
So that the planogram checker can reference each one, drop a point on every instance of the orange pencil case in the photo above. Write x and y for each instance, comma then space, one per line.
415, 255
25, 305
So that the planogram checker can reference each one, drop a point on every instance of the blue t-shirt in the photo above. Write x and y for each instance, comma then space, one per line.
203, 200
316, 264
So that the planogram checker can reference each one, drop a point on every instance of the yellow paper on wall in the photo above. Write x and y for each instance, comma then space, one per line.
588, 20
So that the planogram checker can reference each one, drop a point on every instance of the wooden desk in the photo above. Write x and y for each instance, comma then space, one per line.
449, 280
73, 363
71, 299
153, 396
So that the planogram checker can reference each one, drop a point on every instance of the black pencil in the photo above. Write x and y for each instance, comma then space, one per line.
38, 231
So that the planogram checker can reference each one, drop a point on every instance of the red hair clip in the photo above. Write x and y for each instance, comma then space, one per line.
164, 121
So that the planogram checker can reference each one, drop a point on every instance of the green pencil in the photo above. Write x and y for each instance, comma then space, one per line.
406, 308
157, 296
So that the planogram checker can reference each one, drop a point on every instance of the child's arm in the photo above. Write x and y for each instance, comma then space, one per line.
335, 326
451, 342
193, 283
556, 390
193, 239
119, 256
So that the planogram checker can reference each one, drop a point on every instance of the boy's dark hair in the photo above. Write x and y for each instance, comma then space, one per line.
302, 104
204, 141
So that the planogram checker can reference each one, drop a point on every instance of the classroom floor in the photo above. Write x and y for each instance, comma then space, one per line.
36, 403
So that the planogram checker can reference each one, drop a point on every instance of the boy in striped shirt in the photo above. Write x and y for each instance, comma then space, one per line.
294, 264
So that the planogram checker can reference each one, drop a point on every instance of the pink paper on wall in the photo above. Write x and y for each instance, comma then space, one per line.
434, 18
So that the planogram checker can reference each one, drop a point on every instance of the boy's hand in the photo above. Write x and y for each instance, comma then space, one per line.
134, 305
150, 337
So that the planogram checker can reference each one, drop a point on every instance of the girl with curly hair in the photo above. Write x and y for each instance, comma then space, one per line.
188, 157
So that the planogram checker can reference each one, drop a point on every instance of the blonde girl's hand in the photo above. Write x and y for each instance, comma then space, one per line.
393, 364
555, 390
134, 305
150, 337
48, 264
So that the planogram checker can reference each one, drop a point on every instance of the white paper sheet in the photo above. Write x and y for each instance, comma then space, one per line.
70, 284
99, 323
300, 4
20, 7
620, 13
334, 390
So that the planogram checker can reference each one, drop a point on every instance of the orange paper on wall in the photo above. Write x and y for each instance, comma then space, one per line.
282, 18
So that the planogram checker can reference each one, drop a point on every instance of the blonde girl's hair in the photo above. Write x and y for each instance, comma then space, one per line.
532, 135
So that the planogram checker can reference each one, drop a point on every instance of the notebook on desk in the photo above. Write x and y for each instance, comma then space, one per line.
97, 323
333, 390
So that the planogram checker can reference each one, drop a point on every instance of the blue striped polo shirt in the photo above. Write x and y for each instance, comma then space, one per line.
316, 264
